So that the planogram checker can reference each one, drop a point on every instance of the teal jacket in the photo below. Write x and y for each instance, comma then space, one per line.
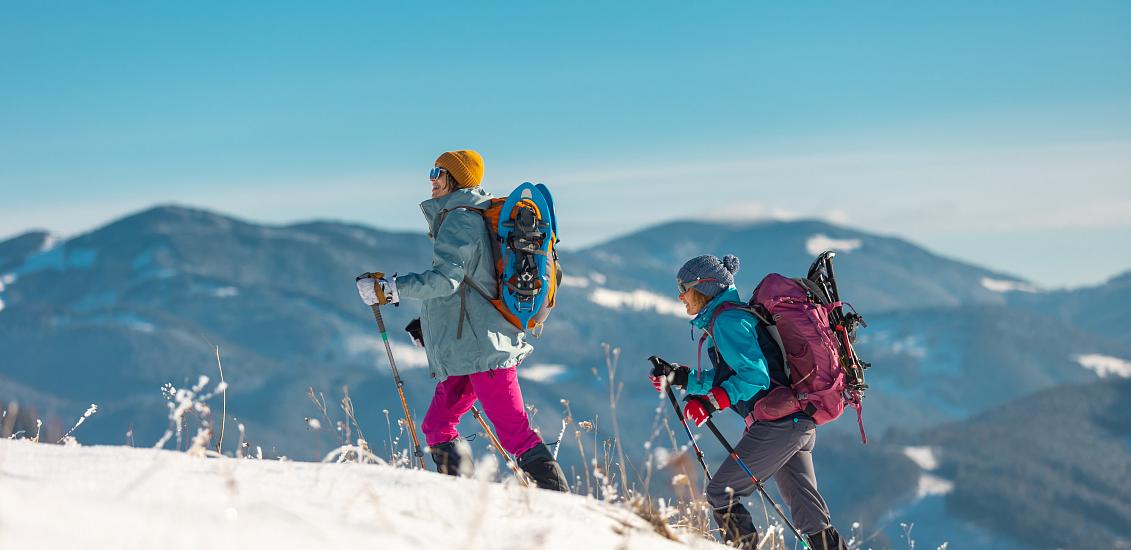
484, 340
735, 339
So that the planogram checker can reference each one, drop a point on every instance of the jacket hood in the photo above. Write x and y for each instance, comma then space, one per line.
704, 318
475, 197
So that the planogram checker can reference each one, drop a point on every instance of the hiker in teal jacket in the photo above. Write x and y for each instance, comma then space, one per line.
473, 351
741, 374
734, 337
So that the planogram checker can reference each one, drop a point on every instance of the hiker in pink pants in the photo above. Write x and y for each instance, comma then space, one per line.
501, 397
472, 349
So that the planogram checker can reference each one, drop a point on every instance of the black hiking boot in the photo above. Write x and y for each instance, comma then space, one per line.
737, 526
828, 539
447, 457
540, 465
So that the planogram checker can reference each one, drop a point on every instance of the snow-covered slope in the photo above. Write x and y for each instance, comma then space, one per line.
124, 498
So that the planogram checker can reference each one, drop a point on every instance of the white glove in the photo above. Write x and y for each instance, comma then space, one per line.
367, 289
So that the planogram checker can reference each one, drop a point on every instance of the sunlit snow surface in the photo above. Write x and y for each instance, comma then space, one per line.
406, 355
998, 285
5, 280
820, 242
929, 484
1104, 365
540, 372
226, 292
103, 498
579, 282
933, 485
923, 456
638, 300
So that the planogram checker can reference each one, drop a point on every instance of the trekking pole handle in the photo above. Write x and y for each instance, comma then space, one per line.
376, 307
375, 275
660, 367
370, 275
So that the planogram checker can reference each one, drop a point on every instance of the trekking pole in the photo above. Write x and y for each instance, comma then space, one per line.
659, 363
518, 474
757, 483
396, 374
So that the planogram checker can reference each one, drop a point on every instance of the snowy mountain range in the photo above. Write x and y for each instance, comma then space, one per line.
109, 316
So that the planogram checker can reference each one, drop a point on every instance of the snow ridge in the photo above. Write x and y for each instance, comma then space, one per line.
820, 242
928, 461
999, 285
541, 372
923, 456
637, 300
1104, 365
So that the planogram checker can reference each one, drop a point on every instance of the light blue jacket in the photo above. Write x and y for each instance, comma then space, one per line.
735, 339
484, 340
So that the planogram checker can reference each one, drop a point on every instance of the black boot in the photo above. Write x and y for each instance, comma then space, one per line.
737, 526
828, 539
540, 465
447, 457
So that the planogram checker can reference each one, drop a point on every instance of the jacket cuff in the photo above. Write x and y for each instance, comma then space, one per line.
719, 398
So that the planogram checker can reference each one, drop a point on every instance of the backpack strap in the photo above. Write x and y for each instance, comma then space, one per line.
495, 255
467, 282
764, 319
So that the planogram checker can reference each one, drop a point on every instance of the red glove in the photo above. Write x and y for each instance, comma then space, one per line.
700, 407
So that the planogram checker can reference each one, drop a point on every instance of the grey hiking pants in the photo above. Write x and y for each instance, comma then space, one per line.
782, 449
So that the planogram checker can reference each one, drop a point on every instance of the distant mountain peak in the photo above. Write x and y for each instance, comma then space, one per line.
165, 219
1123, 279
176, 213
13, 251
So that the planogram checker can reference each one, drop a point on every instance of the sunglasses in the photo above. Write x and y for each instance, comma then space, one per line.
435, 173
684, 287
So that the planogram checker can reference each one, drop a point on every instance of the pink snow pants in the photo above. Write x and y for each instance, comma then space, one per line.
501, 397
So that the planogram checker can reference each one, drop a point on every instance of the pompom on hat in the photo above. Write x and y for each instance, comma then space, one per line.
716, 275
465, 165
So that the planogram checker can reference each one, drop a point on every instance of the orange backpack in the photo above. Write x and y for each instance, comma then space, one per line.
524, 246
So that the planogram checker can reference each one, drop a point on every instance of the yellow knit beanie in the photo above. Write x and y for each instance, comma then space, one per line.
466, 166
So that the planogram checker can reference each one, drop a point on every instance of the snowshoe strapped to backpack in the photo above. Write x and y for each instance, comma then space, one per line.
815, 336
523, 235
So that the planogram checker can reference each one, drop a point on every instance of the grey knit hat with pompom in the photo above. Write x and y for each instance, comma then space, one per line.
721, 272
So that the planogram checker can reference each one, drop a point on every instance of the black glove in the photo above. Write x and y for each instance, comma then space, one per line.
413, 330
676, 374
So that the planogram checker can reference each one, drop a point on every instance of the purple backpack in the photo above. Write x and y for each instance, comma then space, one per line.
815, 338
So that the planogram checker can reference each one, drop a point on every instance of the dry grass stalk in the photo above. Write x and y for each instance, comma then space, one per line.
224, 406
612, 361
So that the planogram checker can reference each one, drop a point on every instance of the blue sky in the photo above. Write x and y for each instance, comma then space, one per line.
998, 133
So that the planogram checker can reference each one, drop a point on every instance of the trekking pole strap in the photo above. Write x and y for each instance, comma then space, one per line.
860, 421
